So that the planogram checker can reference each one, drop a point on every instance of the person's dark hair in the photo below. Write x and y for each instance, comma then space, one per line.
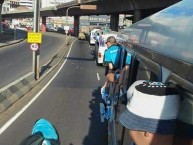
111, 39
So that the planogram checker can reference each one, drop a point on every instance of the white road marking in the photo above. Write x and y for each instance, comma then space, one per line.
98, 77
5, 126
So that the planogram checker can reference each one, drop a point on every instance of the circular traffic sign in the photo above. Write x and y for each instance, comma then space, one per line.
34, 46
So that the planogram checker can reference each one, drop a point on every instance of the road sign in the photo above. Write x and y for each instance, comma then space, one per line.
66, 28
34, 46
88, 7
34, 37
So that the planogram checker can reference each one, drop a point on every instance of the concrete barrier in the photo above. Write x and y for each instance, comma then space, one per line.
15, 90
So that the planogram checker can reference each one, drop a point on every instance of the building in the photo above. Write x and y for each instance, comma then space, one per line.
10, 5
49, 3
14, 5
26, 3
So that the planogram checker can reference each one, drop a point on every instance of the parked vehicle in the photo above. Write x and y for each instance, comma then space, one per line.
61, 30
81, 36
71, 31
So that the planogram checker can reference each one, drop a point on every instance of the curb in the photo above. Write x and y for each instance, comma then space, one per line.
13, 42
17, 89
14, 91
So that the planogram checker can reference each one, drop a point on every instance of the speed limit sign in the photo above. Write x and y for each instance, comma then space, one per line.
34, 46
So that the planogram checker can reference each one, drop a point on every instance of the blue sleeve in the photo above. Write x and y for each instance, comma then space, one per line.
107, 57
128, 58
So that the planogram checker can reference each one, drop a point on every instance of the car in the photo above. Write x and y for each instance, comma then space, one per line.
81, 36
61, 30
100, 48
52, 29
71, 31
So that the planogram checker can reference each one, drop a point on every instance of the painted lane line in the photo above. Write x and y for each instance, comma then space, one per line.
5, 126
98, 77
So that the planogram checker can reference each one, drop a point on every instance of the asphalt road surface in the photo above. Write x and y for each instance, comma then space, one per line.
70, 102
16, 60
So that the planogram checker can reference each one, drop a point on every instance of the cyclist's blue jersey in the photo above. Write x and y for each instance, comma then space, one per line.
112, 55
115, 55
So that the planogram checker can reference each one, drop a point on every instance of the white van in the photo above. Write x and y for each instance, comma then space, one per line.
92, 36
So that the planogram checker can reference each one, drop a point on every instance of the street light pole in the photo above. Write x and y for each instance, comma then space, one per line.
67, 21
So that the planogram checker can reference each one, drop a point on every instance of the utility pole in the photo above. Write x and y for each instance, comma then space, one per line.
67, 21
36, 28
1, 5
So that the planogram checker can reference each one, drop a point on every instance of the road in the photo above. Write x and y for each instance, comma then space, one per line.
70, 102
16, 60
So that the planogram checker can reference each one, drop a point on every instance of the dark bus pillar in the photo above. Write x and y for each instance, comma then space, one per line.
137, 15
114, 22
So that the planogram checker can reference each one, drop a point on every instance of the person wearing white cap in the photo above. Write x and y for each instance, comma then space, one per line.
151, 113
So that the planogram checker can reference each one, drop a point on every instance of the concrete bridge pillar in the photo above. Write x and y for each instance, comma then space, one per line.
114, 22
76, 25
43, 26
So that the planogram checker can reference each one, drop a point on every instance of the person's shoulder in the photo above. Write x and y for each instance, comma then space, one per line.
114, 46
107, 51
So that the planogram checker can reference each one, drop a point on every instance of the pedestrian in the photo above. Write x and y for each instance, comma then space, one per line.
151, 113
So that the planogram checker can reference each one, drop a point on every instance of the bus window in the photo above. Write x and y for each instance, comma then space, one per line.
143, 72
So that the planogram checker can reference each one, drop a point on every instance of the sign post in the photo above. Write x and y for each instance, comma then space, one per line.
36, 54
35, 39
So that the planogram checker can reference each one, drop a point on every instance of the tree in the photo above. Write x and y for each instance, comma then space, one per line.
1, 5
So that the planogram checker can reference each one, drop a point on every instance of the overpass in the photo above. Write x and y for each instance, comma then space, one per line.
138, 8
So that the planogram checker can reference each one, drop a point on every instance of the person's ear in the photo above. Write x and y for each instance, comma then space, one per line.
146, 134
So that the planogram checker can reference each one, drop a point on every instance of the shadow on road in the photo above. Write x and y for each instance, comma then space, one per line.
97, 134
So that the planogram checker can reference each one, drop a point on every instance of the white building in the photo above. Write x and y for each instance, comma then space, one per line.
49, 3
26, 3
10, 5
